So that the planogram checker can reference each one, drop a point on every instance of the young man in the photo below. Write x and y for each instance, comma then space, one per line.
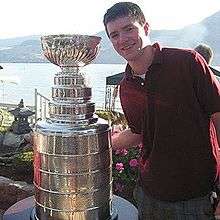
171, 101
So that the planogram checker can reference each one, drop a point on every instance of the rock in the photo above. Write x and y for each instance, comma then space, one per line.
27, 147
13, 191
5, 181
6, 150
1, 139
11, 143
28, 137
13, 140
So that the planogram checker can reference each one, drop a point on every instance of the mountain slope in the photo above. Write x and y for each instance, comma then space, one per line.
28, 49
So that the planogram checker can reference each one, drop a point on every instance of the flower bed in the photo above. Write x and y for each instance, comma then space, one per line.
125, 172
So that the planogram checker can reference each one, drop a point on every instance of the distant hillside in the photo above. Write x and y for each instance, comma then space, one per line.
28, 49
207, 31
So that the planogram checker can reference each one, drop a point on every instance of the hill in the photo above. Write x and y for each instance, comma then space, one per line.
28, 49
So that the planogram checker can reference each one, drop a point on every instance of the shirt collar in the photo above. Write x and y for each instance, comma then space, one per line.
158, 59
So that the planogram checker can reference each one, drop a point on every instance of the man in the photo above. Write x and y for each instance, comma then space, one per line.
171, 101
207, 54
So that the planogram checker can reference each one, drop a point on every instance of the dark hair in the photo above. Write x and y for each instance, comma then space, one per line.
205, 51
124, 9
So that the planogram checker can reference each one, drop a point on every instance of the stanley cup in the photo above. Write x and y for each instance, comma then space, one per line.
72, 150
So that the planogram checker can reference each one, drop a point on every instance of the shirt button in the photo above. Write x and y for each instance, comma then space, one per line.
142, 84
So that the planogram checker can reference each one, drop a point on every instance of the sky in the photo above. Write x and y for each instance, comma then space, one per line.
41, 17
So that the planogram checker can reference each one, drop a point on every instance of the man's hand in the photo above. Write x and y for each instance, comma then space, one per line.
125, 139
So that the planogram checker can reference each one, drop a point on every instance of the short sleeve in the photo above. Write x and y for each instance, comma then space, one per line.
206, 85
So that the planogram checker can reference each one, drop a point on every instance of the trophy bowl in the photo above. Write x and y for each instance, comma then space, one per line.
68, 50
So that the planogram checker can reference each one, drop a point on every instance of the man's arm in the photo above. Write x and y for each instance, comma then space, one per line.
125, 139
216, 121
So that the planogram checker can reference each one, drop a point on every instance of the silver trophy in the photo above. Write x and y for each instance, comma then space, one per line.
72, 150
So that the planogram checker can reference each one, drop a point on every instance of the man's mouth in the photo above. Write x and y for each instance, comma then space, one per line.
127, 47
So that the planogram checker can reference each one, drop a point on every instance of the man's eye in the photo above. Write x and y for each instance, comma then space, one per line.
129, 28
113, 36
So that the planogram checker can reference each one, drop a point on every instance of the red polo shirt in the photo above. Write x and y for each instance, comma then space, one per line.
172, 109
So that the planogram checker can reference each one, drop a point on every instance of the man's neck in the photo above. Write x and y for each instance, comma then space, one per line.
142, 63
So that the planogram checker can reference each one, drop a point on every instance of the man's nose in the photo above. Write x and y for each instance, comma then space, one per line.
123, 37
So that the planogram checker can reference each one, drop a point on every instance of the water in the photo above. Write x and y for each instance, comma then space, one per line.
19, 80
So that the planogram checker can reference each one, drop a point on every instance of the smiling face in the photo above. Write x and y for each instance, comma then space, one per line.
127, 37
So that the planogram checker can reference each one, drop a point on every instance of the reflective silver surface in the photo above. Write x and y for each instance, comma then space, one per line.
72, 149
70, 50
71, 111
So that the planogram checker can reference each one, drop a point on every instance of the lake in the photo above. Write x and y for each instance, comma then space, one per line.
19, 80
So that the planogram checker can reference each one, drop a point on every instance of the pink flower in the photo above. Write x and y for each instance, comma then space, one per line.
119, 167
133, 163
122, 152
140, 145
119, 187
117, 152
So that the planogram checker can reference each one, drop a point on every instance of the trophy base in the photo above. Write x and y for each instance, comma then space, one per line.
113, 217
25, 210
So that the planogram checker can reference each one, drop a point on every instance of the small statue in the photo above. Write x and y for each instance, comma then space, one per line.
20, 124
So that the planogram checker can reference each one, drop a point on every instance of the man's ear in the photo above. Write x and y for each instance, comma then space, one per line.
146, 28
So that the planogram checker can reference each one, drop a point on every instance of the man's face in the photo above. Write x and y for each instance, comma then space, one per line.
127, 37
